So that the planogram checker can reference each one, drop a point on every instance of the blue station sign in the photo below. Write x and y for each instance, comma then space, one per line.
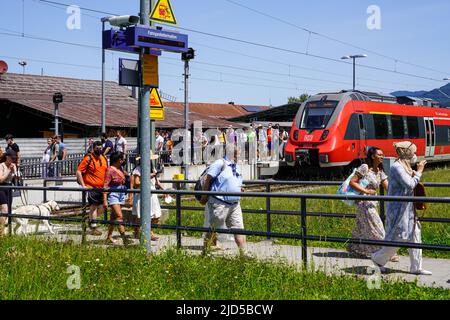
148, 37
115, 39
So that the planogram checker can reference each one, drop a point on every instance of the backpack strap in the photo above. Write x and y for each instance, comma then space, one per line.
224, 166
88, 164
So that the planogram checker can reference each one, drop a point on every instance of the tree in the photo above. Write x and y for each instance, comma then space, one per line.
299, 99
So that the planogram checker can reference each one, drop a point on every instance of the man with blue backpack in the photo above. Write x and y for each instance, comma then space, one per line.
222, 212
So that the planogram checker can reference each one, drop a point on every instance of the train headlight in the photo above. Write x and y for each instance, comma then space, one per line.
324, 135
295, 136
323, 158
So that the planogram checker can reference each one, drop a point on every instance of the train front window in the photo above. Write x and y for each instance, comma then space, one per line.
317, 114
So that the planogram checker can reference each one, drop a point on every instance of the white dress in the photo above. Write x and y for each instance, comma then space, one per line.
46, 156
155, 206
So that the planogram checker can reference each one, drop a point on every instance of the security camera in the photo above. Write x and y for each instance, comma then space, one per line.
123, 21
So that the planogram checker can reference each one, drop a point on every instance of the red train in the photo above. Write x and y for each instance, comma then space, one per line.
333, 130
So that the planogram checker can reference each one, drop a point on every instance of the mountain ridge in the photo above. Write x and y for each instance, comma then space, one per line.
435, 94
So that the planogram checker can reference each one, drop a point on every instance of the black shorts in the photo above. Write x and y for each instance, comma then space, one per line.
4, 196
95, 198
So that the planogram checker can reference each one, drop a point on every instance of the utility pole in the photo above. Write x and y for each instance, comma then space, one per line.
354, 73
152, 122
103, 81
186, 56
354, 57
23, 64
144, 141
57, 99
187, 138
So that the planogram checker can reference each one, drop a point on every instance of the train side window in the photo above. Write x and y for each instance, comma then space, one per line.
448, 134
361, 121
398, 129
413, 127
352, 132
381, 126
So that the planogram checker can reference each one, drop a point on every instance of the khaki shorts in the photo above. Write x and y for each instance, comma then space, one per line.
222, 216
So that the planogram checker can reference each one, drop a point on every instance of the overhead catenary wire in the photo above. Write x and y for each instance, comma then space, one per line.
53, 62
267, 46
17, 34
50, 40
50, 4
55, 4
290, 65
396, 60
277, 74
277, 48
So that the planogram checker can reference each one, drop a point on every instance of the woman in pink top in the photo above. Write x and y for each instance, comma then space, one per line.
115, 179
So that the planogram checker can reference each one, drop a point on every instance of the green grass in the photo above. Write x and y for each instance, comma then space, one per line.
432, 233
36, 269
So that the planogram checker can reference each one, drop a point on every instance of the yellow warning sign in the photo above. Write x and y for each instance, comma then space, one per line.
162, 12
150, 70
155, 99
156, 114
156, 106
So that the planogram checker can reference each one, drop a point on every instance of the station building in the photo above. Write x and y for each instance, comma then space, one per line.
282, 115
26, 104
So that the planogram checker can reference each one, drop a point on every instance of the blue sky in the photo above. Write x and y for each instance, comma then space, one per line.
413, 31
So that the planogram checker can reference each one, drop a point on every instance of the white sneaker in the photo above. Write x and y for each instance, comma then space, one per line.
422, 272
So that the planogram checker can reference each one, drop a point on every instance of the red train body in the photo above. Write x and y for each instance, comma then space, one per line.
335, 129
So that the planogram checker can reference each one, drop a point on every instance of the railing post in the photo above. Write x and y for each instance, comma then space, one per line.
83, 219
303, 226
268, 222
10, 199
45, 190
178, 204
382, 209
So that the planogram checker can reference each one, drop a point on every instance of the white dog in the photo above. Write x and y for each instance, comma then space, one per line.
43, 210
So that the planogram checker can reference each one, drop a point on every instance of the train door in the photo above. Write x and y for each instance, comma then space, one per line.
430, 137
362, 143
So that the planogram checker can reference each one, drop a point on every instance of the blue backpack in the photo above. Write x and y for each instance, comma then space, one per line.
346, 189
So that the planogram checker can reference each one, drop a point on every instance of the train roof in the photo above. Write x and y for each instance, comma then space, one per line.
377, 97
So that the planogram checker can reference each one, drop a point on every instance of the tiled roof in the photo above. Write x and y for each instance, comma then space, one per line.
212, 109
82, 102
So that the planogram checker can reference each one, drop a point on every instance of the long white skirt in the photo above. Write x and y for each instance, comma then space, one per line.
156, 208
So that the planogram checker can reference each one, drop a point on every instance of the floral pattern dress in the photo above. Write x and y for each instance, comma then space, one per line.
368, 221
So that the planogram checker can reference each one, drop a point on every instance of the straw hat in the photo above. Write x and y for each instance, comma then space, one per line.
152, 156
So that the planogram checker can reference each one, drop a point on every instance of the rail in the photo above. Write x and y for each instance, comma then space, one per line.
34, 168
302, 212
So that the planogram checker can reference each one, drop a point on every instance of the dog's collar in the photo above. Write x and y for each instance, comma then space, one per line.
45, 205
39, 208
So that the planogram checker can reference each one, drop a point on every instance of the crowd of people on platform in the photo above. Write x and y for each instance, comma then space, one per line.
103, 168
262, 138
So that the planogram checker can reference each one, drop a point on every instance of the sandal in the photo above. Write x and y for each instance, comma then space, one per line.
395, 258
109, 241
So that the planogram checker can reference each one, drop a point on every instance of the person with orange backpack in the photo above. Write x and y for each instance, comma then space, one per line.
91, 174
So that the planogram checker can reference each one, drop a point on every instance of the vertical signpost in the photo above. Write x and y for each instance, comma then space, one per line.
144, 39
144, 127
186, 56
151, 79
57, 99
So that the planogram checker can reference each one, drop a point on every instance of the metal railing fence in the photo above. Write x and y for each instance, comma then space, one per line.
302, 213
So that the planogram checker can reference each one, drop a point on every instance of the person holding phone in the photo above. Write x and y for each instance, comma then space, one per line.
401, 219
